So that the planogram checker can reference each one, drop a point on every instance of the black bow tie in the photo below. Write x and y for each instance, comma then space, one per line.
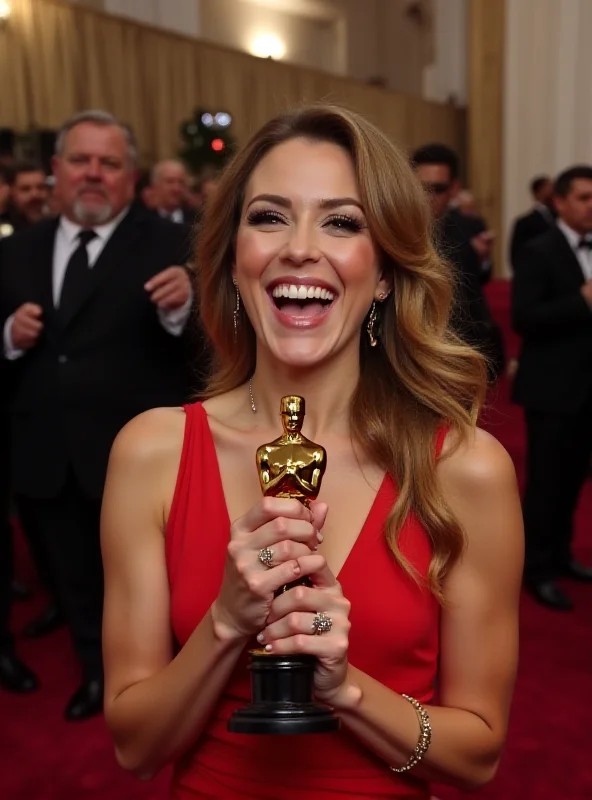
585, 244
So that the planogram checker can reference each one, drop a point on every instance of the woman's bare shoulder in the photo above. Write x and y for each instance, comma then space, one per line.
152, 437
475, 462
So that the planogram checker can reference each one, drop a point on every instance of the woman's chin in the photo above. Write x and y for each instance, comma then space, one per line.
300, 354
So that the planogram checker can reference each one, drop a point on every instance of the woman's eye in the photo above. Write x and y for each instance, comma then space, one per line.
343, 222
264, 218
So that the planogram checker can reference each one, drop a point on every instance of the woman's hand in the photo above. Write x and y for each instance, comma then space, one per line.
290, 629
292, 532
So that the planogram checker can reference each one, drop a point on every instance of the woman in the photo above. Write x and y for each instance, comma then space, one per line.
414, 547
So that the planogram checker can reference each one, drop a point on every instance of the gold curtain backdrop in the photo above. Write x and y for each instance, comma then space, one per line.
56, 59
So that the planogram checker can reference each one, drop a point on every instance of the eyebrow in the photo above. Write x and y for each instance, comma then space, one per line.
284, 202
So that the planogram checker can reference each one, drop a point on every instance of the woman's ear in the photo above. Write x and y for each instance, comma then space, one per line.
383, 289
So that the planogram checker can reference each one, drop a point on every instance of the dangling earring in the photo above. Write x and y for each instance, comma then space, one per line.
236, 313
371, 324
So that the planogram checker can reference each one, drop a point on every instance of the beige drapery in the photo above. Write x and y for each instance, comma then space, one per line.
56, 59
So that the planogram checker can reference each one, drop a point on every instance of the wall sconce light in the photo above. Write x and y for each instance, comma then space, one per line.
267, 45
5, 11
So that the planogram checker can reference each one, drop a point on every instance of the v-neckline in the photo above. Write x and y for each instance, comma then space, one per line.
365, 524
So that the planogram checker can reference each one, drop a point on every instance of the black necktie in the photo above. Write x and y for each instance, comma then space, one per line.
585, 244
77, 275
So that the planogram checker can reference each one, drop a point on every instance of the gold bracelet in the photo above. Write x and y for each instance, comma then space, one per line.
425, 736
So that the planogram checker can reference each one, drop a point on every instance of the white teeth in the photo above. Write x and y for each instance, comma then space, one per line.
292, 292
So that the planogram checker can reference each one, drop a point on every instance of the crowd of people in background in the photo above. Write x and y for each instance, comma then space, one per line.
96, 304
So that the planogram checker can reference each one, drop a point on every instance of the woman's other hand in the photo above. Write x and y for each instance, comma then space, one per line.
292, 627
292, 532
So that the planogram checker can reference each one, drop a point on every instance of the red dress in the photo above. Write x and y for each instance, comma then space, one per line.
393, 638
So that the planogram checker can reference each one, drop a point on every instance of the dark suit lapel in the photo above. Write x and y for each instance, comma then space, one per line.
567, 260
43, 261
122, 240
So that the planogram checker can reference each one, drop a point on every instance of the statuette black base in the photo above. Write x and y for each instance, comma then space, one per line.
281, 688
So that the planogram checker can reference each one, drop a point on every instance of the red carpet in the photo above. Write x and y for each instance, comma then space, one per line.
547, 757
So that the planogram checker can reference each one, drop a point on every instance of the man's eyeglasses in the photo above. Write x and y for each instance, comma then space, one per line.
437, 188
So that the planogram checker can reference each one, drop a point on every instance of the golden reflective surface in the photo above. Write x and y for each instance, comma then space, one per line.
292, 466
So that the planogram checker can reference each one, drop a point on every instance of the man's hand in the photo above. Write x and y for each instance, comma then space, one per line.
170, 289
26, 326
482, 244
586, 290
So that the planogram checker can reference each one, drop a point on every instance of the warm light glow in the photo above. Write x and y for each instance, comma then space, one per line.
218, 145
4, 10
268, 45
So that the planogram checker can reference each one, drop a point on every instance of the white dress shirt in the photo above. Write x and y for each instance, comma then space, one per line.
175, 216
65, 243
583, 254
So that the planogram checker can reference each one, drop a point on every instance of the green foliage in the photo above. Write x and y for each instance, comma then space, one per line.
206, 141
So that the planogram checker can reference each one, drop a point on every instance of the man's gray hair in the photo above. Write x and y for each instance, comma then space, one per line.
97, 117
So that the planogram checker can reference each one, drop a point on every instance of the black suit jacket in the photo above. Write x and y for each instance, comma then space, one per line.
555, 322
471, 313
472, 226
90, 374
527, 227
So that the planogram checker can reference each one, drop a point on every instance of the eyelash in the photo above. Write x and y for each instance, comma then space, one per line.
344, 221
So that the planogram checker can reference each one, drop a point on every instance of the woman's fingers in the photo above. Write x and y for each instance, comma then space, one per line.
268, 509
304, 598
282, 529
302, 622
287, 550
264, 582
319, 514
333, 645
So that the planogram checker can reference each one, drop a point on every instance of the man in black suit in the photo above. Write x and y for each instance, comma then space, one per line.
537, 221
552, 311
465, 244
93, 318
169, 192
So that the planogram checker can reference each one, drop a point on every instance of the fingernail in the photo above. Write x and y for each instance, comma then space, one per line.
316, 547
320, 536
268, 648
296, 568
260, 638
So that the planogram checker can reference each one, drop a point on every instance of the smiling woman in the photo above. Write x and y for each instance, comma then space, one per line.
318, 278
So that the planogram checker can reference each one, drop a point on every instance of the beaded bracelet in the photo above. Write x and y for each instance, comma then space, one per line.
425, 736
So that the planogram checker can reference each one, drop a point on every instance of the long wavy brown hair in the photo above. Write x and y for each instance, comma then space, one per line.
420, 376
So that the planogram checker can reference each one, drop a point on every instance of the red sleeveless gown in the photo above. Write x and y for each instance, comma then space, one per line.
393, 638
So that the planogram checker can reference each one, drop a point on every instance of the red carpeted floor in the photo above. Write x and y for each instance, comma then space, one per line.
548, 751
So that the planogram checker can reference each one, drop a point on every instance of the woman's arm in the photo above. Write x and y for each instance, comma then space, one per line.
479, 634
155, 705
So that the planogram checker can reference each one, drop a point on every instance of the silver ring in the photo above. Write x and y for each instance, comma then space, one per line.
266, 557
322, 623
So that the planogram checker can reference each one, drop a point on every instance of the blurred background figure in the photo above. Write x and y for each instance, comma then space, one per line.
144, 192
5, 178
209, 179
94, 309
552, 312
169, 189
466, 203
28, 194
467, 244
538, 220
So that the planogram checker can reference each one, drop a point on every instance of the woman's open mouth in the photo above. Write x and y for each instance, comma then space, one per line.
303, 304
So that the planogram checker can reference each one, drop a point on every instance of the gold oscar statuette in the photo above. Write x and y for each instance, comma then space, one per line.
282, 686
